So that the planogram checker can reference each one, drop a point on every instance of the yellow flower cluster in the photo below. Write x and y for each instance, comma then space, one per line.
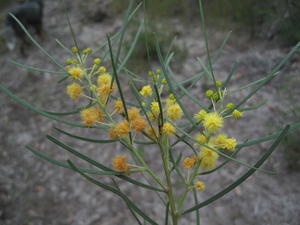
74, 90
91, 115
200, 186
146, 91
168, 129
76, 72
174, 112
189, 162
120, 164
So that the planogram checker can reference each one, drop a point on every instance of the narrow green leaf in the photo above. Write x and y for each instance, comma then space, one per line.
170, 84
35, 42
115, 191
35, 68
65, 165
99, 165
255, 106
167, 214
84, 138
63, 46
242, 178
41, 112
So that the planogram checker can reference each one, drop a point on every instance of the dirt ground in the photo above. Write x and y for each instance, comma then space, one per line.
35, 192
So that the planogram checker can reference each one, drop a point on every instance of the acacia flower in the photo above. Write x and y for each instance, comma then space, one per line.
146, 91
102, 69
139, 124
171, 100
230, 106
237, 114
212, 122
104, 79
113, 133
200, 115
120, 163
189, 162
122, 128
208, 158
200, 186
219, 83
97, 61
155, 109
220, 140
201, 138
168, 129
119, 107
209, 93
133, 113
174, 112
91, 115
74, 90
75, 72
230, 144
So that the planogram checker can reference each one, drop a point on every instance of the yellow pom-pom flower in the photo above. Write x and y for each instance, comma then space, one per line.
119, 107
189, 162
230, 144
97, 61
76, 72
113, 133
237, 114
174, 112
122, 128
220, 140
208, 158
209, 93
213, 122
230, 106
139, 124
201, 138
74, 49
170, 100
74, 90
146, 91
102, 69
200, 186
168, 129
155, 109
152, 132
200, 115
104, 79
133, 113
120, 163
91, 115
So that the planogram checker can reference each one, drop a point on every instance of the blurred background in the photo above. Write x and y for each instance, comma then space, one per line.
35, 192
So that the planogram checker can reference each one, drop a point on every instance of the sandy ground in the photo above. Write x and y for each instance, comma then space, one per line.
35, 192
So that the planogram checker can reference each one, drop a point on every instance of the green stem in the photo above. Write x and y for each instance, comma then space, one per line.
164, 147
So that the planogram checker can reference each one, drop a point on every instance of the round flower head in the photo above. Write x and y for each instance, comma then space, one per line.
208, 158
201, 138
97, 61
76, 72
209, 93
139, 124
113, 133
119, 107
168, 129
74, 90
105, 89
220, 140
91, 115
69, 61
74, 49
122, 128
212, 122
120, 163
146, 91
237, 114
104, 79
230, 144
189, 162
87, 51
155, 109
170, 100
102, 69
200, 115
133, 113
219, 83
230, 106
174, 112
200, 186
